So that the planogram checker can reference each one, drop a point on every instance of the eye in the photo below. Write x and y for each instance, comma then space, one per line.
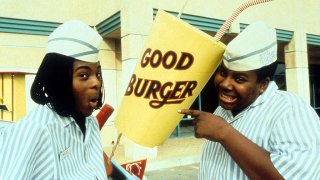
240, 79
84, 75
222, 72
99, 75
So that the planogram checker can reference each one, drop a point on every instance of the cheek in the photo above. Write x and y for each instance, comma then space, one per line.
77, 91
249, 95
77, 97
217, 80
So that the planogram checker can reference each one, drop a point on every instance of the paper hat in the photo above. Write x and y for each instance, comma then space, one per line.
75, 39
254, 48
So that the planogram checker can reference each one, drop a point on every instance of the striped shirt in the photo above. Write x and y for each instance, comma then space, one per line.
44, 145
281, 123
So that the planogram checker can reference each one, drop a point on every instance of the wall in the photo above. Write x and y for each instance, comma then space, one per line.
12, 91
120, 54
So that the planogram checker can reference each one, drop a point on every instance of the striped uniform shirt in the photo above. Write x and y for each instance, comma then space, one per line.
44, 145
281, 123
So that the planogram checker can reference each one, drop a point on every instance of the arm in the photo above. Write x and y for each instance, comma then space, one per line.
252, 159
295, 143
26, 152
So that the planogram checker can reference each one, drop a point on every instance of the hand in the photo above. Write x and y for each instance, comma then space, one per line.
208, 125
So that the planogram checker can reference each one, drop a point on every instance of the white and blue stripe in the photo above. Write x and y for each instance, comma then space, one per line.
44, 145
278, 121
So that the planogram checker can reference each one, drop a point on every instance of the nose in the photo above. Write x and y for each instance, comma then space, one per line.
96, 82
226, 83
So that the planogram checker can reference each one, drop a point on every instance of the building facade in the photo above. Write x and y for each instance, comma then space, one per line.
125, 24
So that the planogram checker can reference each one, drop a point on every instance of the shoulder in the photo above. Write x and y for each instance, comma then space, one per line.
25, 135
293, 107
42, 115
294, 115
33, 125
281, 98
27, 139
291, 100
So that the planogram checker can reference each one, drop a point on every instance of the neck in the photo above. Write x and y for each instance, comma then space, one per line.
81, 121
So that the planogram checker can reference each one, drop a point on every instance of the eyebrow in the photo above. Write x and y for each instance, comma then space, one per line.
82, 67
86, 67
234, 73
240, 74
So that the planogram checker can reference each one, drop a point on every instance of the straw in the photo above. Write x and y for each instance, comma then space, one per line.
184, 5
114, 149
226, 25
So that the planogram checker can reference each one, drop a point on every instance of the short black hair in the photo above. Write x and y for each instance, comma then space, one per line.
53, 84
266, 71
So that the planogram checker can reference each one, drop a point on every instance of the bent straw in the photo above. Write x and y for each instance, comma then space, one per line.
226, 25
114, 148
184, 5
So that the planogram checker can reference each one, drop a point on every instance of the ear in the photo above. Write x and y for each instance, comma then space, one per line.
264, 85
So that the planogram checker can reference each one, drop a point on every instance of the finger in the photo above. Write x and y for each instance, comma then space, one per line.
191, 112
195, 131
197, 135
183, 111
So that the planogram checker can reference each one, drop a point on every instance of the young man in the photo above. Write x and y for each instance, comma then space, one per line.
60, 138
257, 132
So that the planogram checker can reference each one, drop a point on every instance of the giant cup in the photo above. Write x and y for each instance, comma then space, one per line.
176, 62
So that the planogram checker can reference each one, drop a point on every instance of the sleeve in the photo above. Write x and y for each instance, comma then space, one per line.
295, 143
26, 152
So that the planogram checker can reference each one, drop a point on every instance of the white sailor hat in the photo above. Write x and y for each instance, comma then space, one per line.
254, 48
75, 39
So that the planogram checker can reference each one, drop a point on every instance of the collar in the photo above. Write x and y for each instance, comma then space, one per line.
66, 121
232, 118
272, 87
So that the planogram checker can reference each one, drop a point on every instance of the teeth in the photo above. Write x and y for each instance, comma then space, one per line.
227, 97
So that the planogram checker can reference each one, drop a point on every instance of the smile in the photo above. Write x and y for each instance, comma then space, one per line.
227, 98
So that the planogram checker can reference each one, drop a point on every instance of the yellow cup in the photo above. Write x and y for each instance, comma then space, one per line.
175, 64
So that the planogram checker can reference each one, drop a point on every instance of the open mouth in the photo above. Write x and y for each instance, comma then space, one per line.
93, 103
227, 98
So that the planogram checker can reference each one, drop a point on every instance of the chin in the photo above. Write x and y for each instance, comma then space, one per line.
226, 106
87, 113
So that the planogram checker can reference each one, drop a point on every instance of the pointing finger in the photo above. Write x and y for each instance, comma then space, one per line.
190, 112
